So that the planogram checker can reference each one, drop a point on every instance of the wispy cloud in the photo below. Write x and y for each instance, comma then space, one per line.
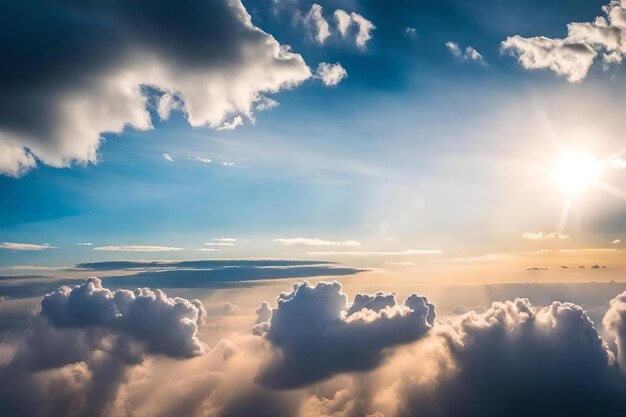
544, 235
510, 256
225, 239
470, 53
219, 244
200, 159
25, 246
616, 241
228, 164
84, 244
315, 242
138, 248
381, 253
168, 157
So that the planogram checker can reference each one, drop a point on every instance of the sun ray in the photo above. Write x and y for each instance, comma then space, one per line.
610, 189
564, 215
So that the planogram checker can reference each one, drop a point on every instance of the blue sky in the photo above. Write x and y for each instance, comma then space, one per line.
417, 149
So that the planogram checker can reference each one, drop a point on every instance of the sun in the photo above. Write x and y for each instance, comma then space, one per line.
575, 170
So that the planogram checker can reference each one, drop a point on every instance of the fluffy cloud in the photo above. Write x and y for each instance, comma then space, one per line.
573, 55
331, 74
544, 235
518, 360
315, 242
88, 65
77, 353
373, 357
317, 335
25, 246
320, 25
164, 325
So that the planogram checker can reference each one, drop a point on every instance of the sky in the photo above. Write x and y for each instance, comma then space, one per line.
417, 145
442, 155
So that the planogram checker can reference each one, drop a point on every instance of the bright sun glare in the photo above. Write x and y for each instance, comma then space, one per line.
575, 170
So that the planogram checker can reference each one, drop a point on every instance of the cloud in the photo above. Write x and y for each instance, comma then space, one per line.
470, 54
163, 325
544, 235
232, 125
315, 242
320, 25
25, 246
94, 66
364, 26
168, 157
317, 336
410, 32
228, 164
574, 55
200, 159
380, 253
219, 244
77, 353
331, 74
138, 248
614, 323
616, 241
84, 244
495, 366
365, 29
225, 239
454, 48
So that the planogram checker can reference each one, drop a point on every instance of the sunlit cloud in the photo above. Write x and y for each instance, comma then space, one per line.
168, 157
330, 74
544, 236
315, 242
138, 248
84, 244
25, 246
616, 241
574, 55
319, 25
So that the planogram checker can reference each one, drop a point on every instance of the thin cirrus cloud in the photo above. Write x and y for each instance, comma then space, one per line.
573, 56
214, 69
544, 236
137, 248
200, 159
168, 157
405, 252
25, 246
315, 242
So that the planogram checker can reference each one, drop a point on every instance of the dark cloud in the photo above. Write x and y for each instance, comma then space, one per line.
516, 360
72, 70
316, 339
201, 264
183, 274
